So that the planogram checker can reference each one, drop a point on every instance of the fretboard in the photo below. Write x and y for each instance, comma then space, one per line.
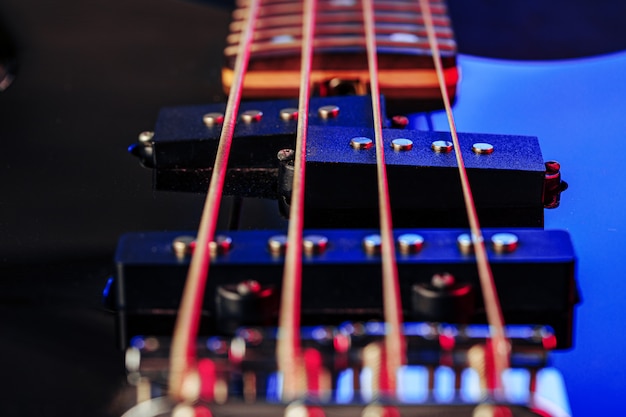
406, 69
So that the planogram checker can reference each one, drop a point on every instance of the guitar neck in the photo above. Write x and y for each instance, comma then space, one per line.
340, 66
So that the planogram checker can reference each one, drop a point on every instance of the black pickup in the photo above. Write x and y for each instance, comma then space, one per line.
535, 278
507, 182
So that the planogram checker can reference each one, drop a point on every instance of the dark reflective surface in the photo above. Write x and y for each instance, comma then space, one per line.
536, 29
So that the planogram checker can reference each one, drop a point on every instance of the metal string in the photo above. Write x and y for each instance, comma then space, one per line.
395, 348
183, 353
288, 346
500, 345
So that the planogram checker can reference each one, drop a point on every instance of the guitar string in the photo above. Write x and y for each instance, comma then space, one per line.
183, 351
288, 345
392, 305
500, 346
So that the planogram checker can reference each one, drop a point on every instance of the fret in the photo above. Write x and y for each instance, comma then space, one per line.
330, 44
339, 50
385, 17
295, 8
294, 32
434, 4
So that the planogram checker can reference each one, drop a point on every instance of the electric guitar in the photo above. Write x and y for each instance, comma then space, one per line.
498, 121
335, 289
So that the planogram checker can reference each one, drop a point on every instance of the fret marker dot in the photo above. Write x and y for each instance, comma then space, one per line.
442, 146
343, 3
404, 38
402, 144
361, 142
281, 39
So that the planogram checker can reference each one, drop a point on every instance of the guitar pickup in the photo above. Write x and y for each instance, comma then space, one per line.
533, 271
506, 172
183, 145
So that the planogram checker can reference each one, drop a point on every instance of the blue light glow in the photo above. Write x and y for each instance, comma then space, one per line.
470, 386
417, 329
345, 388
375, 328
550, 387
366, 384
413, 384
516, 384
274, 387
107, 289
444, 384
138, 342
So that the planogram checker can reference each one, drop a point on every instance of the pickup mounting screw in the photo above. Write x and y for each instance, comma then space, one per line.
399, 122
146, 136
250, 286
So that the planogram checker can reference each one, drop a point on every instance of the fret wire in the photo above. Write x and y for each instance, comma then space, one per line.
282, 9
335, 43
401, 24
287, 20
492, 303
342, 29
392, 305
183, 353
288, 345
245, 3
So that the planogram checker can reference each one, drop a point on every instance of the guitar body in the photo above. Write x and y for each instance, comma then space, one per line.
575, 108
90, 77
